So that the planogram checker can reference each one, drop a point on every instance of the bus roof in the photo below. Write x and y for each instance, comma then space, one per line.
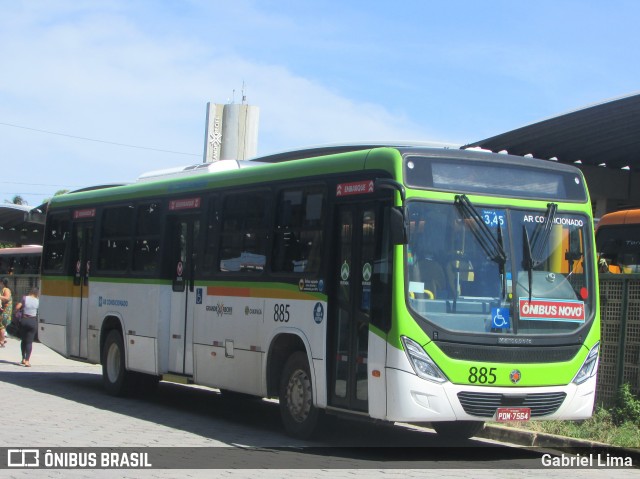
199, 168
315, 161
323, 150
623, 217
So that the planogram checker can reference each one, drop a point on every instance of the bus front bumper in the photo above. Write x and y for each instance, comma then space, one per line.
413, 399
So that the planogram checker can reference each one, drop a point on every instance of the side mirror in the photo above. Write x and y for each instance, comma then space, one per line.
399, 231
397, 214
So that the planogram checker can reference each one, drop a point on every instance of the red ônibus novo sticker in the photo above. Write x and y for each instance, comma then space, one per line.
552, 310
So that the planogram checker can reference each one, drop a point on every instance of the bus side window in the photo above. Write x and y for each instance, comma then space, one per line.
244, 232
115, 238
56, 235
298, 242
211, 237
146, 251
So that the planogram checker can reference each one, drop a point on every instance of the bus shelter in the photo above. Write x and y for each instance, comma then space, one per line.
21, 224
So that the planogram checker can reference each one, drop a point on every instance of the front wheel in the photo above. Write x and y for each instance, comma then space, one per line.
457, 430
299, 415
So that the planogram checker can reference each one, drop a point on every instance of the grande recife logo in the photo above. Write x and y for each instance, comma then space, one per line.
552, 310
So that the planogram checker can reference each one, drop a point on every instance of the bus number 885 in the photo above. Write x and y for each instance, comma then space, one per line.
482, 375
281, 313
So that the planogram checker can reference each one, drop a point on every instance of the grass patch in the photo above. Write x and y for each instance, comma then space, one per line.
619, 426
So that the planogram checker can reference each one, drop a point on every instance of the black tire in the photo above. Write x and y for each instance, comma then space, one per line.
116, 379
458, 430
299, 415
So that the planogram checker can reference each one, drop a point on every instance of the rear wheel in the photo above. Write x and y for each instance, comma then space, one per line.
116, 379
299, 415
457, 430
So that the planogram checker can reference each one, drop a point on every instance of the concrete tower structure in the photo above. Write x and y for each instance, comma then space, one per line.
231, 132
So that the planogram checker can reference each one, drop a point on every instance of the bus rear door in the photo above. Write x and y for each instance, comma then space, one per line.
81, 262
184, 231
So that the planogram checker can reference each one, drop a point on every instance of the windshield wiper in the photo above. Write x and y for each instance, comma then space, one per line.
501, 269
492, 247
542, 232
533, 252
528, 262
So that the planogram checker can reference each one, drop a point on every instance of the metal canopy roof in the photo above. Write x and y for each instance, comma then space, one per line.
606, 134
21, 224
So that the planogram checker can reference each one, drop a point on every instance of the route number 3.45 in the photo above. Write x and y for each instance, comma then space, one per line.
482, 375
281, 313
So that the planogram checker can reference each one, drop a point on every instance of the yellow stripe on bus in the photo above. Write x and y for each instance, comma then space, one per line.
62, 287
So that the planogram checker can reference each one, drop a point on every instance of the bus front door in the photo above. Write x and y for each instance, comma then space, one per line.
184, 231
78, 320
351, 305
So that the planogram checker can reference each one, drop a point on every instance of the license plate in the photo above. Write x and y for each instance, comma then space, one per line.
504, 414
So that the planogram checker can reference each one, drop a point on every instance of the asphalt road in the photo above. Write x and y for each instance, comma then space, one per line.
59, 406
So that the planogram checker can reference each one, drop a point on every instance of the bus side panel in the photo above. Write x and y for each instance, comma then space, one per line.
228, 368
54, 309
54, 336
138, 307
226, 342
93, 345
141, 354
234, 327
163, 329
319, 372
377, 384
307, 319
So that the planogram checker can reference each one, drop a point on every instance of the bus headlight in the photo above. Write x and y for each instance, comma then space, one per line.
590, 365
422, 364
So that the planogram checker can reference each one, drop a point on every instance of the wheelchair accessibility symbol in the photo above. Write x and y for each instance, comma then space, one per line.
500, 318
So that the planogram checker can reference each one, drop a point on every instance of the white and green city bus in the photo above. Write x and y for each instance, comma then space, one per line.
395, 283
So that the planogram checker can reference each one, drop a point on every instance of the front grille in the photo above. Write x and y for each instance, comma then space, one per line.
508, 354
485, 404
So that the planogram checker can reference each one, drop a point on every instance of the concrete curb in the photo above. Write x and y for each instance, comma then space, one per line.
524, 437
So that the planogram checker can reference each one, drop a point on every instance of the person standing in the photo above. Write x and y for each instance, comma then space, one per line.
28, 324
7, 310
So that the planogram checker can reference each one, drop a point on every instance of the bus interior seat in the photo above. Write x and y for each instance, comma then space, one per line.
431, 273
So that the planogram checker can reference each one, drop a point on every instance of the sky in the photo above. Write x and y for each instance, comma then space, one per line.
98, 92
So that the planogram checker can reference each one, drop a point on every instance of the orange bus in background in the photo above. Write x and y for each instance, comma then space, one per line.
618, 242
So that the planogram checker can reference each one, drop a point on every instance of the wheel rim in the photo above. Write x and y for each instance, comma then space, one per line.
113, 362
299, 395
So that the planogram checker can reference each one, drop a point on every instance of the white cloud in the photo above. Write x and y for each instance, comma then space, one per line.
101, 75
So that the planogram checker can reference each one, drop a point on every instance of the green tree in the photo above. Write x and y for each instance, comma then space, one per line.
57, 193
17, 200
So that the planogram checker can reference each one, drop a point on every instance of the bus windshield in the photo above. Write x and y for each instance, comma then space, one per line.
459, 281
